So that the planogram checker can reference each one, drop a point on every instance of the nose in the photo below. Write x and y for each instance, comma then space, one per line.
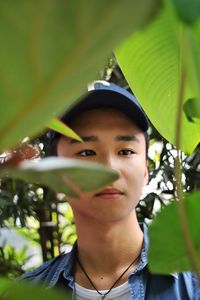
110, 161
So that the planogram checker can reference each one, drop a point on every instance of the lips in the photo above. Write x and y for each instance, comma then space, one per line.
109, 191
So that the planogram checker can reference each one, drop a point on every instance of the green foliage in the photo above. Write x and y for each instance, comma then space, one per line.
192, 110
188, 12
68, 228
161, 176
57, 125
16, 201
12, 261
161, 64
167, 251
50, 50
19, 201
64, 174
153, 60
10, 290
30, 233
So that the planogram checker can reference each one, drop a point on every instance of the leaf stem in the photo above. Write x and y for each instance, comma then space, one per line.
189, 247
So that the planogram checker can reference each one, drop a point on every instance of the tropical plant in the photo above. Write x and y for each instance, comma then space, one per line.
12, 261
161, 64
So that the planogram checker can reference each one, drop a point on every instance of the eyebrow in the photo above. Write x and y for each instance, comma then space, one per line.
118, 138
127, 138
90, 138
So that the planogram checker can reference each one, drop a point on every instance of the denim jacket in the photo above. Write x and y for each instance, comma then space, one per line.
143, 285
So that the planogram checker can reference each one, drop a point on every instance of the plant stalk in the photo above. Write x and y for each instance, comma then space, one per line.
189, 247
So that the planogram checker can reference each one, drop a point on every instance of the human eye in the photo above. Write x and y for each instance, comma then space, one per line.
126, 152
86, 152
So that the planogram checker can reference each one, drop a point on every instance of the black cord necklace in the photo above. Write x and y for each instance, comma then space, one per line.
118, 279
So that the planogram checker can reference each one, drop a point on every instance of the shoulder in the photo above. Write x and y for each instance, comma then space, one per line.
187, 283
47, 271
183, 285
192, 284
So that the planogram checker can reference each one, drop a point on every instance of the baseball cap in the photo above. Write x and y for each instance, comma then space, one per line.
105, 94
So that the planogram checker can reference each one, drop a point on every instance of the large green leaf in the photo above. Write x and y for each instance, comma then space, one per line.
61, 174
4, 283
49, 51
13, 290
151, 61
167, 252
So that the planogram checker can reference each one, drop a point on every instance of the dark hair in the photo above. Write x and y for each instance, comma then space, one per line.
146, 137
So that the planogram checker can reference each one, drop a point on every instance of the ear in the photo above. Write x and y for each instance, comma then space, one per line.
146, 174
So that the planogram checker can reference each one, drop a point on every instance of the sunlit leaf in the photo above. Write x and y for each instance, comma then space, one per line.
151, 60
57, 125
50, 50
167, 252
61, 173
4, 283
19, 291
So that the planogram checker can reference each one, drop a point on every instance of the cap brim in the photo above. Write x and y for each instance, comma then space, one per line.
107, 98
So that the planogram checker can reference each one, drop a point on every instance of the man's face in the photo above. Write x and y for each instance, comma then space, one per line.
110, 138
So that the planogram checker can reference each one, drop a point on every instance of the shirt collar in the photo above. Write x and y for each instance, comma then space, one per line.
66, 266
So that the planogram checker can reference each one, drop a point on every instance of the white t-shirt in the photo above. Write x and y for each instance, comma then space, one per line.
121, 292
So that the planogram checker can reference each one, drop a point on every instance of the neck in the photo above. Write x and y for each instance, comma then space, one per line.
115, 244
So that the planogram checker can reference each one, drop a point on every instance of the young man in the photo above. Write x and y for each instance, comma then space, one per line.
109, 259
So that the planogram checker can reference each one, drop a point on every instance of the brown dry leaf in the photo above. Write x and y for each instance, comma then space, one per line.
16, 156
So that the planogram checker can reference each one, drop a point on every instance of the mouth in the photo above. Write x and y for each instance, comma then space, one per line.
109, 192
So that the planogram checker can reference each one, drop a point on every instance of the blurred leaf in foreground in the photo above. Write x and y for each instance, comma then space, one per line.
167, 252
12, 290
62, 174
50, 50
